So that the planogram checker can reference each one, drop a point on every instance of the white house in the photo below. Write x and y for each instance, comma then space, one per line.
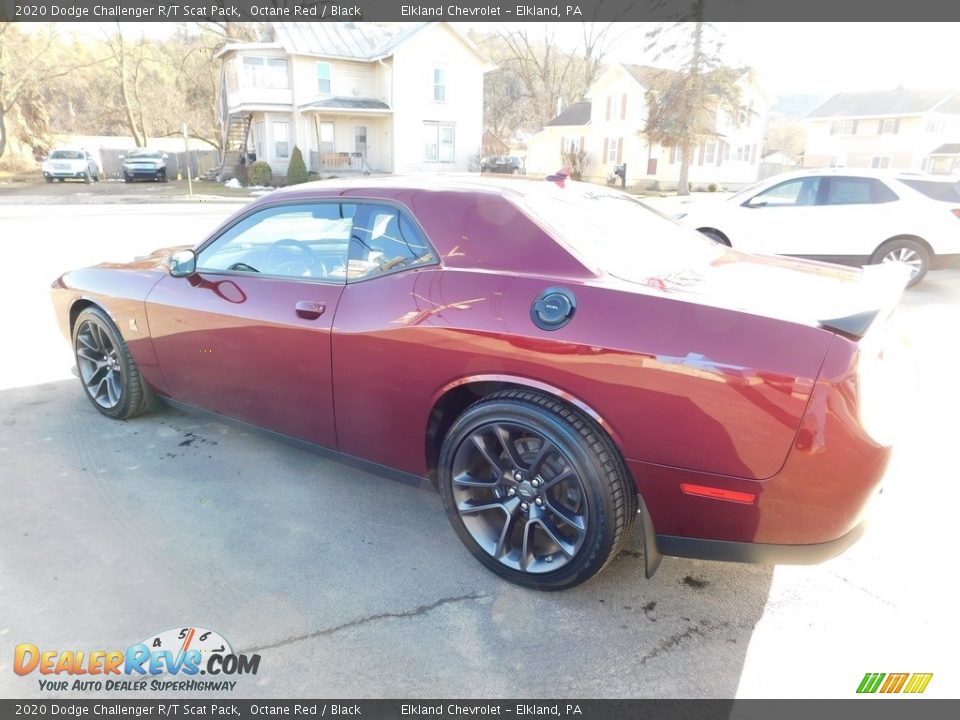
609, 124
900, 129
354, 97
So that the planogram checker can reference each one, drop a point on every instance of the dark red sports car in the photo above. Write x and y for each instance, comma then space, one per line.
556, 357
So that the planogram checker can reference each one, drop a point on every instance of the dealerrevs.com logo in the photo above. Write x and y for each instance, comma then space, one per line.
149, 665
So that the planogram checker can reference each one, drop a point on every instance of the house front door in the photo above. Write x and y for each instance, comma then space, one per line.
360, 140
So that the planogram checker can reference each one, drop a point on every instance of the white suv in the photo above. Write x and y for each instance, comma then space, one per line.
65, 163
845, 216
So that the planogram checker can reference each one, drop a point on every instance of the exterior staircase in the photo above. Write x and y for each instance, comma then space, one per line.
236, 133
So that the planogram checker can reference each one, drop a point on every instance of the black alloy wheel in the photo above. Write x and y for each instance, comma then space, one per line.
108, 373
535, 489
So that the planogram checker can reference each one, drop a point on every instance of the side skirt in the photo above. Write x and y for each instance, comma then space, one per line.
324, 452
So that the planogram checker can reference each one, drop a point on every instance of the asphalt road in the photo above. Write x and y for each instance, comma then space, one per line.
349, 585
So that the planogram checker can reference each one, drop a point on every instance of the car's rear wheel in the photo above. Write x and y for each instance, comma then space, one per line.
535, 489
716, 236
108, 373
908, 251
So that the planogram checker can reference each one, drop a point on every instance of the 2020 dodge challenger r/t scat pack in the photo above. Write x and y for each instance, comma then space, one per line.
557, 358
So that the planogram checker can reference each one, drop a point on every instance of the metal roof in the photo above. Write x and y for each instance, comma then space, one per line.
888, 102
947, 149
350, 103
353, 41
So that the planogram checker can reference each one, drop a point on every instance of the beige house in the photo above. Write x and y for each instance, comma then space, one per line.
608, 126
354, 97
898, 129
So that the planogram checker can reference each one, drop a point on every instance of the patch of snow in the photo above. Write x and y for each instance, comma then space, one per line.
233, 183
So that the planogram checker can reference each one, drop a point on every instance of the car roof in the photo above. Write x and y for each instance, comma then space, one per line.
864, 172
430, 182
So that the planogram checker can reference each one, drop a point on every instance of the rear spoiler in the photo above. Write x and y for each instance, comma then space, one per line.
879, 291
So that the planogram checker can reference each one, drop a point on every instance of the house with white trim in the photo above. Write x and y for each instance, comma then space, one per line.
354, 97
608, 125
899, 129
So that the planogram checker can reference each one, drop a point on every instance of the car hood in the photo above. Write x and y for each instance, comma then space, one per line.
843, 299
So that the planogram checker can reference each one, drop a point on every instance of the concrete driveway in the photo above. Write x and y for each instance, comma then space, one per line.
349, 585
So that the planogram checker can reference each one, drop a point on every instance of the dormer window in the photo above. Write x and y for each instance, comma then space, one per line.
324, 82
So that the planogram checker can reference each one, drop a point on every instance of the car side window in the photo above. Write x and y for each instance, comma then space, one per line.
800, 191
385, 239
305, 241
858, 191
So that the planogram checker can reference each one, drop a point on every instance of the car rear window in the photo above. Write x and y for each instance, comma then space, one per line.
616, 233
936, 189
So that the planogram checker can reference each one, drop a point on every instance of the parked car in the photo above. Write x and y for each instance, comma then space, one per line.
509, 164
143, 164
554, 356
846, 216
70, 164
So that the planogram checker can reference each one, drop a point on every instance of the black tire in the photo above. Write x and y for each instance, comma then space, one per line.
576, 506
163, 177
716, 236
49, 179
87, 178
108, 374
907, 250
59, 179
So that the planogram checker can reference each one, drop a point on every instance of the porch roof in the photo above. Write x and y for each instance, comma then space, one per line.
368, 105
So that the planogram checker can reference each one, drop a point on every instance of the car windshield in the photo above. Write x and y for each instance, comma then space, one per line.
144, 154
935, 189
615, 233
66, 155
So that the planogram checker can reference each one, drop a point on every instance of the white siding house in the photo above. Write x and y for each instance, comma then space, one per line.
608, 126
899, 129
354, 97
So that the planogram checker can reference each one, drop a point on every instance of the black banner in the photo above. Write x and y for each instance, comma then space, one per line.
474, 10
875, 709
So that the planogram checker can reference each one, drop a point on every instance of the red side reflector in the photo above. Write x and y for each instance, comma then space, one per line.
956, 211
718, 493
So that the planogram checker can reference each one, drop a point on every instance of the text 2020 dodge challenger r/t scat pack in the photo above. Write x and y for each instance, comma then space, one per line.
556, 357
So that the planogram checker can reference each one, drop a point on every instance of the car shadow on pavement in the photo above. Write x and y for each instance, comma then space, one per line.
114, 531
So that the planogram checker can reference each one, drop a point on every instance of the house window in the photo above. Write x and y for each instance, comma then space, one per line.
843, 127
264, 72
710, 154
837, 161
438, 142
623, 106
890, 126
726, 152
571, 144
612, 149
324, 83
281, 140
326, 135
439, 84
880, 162
609, 107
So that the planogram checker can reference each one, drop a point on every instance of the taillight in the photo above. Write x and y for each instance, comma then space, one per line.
956, 212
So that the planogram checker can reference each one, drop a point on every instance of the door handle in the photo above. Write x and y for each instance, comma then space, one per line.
310, 310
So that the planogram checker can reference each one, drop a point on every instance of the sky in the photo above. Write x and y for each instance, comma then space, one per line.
803, 58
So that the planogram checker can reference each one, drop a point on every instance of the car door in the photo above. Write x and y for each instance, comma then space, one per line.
378, 355
778, 219
248, 334
853, 216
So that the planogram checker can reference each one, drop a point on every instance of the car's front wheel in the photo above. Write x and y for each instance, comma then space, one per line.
87, 177
535, 489
907, 251
108, 373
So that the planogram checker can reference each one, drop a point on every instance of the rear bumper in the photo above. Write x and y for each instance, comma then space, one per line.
757, 552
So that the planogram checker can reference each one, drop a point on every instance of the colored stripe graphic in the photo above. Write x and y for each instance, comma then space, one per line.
918, 683
870, 682
895, 682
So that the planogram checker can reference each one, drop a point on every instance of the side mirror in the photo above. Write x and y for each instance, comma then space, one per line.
182, 263
756, 202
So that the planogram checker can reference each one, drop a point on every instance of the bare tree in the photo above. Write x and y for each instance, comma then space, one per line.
683, 112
